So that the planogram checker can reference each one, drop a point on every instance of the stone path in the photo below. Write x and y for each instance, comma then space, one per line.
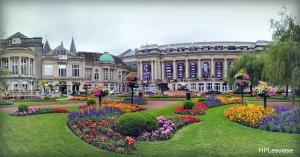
150, 105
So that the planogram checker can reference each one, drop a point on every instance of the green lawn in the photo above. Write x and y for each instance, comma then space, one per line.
48, 135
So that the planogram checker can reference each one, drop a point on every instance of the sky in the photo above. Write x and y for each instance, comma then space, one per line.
116, 26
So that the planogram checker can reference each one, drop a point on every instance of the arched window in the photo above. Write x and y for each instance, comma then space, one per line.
96, 74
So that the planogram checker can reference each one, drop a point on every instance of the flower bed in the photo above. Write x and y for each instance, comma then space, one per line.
80, 98
124, 107
5, 102
37, 110
229, 100
287, 119
249, 115
197, 109
167, 127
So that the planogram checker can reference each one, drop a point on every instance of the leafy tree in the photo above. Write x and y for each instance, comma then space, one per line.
295, 82
252, 63
163, 87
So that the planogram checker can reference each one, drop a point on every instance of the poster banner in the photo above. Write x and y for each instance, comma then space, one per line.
180, 71
169, 71
147, 72
205, 70
219, 69
193, 70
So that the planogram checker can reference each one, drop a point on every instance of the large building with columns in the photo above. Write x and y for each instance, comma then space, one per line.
201, 66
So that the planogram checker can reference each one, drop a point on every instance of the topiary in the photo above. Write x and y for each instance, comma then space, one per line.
91, 102
188, 104
23, 108
131, 124
151, 122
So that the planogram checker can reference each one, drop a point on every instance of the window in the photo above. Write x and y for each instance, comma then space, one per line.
88, 74
15, 86
31, 67
111, 74
105, 74
193, 87
217, 86
25, 86
62, 70
48, 70
244, 48
120, 76
75, 70
209, 86
5, 63
106, 85
206, 48
24, 66
96, 74
14, 65
112, 87
231, 47
224, 87
201, 87
219, 47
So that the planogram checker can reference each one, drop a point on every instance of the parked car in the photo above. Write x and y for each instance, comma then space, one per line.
113, 92
150, 92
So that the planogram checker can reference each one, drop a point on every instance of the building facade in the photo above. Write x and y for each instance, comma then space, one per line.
28, 61
200, 66
21, 56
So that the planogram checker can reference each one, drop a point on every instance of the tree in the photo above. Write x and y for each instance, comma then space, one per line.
295, 82
253, 64
163, 87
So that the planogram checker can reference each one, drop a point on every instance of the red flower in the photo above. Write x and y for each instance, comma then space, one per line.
90, 121
190, 119
130, 140
103, 138
94, 125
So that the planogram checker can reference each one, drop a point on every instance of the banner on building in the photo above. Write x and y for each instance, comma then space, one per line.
219, 69
180, 71
205, 70
147, 72
169, 71
193, 70
16, 41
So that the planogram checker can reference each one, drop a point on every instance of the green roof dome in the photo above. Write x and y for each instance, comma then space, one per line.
106, 58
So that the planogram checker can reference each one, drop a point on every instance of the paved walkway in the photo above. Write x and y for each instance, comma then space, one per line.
150, 105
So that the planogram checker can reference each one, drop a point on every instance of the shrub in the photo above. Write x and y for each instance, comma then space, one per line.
131, 124
151, 122
188, 104
201, 99
136, 100
91, 102
23, 108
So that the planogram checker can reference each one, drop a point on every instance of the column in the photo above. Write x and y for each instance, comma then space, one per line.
163, 71
212, 68
157, 74
152, 70
174, 70
199, 68
9, 66
141, 70
225, 68
28, 64
19, 66
187, 69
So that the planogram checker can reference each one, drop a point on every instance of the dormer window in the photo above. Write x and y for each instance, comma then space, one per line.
231, 48
206, 48
219, 48
244, 48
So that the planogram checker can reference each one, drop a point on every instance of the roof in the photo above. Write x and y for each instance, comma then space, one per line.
106, 58
60, 50
91, 57
17, 35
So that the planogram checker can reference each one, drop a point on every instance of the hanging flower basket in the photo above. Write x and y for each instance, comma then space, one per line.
264, 90
242, 79
76, 83
132, 82
86, 85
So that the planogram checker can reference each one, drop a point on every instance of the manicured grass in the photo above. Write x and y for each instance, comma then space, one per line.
48, 135
35, 103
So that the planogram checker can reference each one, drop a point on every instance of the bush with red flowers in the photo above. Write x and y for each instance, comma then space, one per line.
197, 109
190, 119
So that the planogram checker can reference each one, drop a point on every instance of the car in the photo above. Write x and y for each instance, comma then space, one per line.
113, 92
150, 92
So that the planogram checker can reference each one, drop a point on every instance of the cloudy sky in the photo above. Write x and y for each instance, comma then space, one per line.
120, 25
